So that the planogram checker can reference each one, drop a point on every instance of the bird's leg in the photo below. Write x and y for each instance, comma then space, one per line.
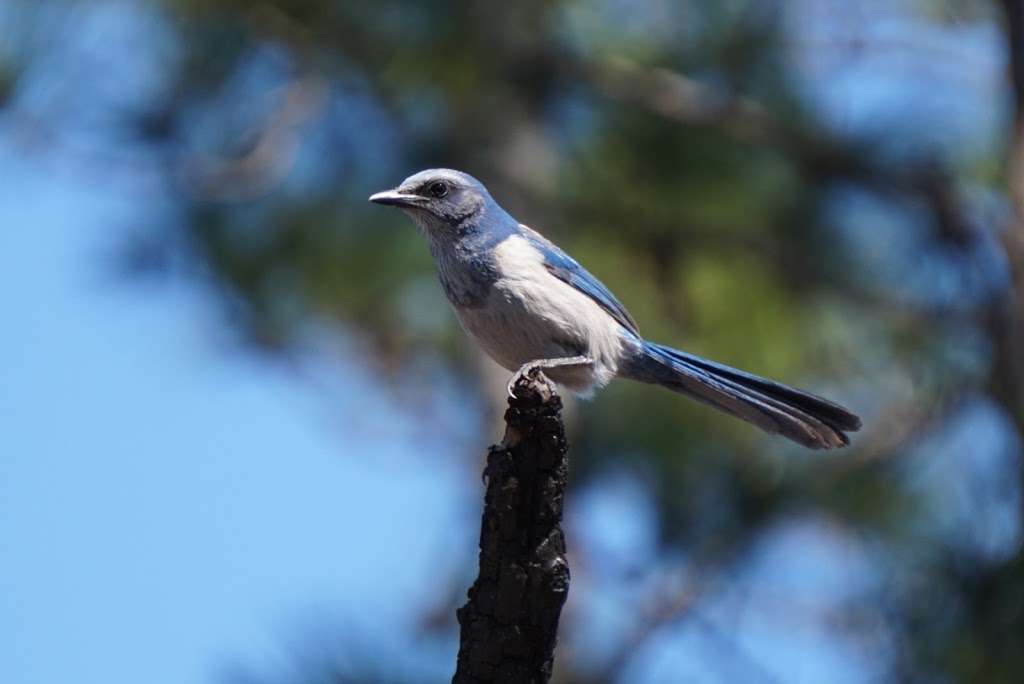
531, 368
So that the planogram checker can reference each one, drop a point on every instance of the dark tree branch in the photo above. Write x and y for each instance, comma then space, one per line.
1007, 316
510, 622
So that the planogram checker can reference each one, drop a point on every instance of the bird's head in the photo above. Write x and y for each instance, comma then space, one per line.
440, 201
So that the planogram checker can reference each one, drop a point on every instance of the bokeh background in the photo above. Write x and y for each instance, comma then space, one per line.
241, 434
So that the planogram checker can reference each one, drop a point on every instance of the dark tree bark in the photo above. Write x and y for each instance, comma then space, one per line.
510, 622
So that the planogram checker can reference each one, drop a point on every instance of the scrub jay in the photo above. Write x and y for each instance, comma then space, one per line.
533, 308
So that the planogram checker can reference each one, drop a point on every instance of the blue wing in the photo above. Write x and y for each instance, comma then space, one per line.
567, 269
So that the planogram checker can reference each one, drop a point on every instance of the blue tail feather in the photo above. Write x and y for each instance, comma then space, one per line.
801, 416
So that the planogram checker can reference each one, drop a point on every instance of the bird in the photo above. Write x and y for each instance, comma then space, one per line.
534, 309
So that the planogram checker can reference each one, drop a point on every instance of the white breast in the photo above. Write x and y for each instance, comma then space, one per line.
530, 314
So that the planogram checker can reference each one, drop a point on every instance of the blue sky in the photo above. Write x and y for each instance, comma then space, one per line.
165, 498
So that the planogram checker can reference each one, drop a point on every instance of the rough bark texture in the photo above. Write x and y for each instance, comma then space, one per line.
510, 622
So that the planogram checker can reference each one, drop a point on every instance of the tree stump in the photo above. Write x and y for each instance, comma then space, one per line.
509, 624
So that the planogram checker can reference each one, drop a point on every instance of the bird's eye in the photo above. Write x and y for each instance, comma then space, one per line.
438, 189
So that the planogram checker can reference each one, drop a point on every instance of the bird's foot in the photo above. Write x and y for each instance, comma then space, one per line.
528, 371
531, 370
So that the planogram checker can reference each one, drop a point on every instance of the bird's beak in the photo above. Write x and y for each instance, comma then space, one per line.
395, 198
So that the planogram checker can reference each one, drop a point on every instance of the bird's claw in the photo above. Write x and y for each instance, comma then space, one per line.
529, 371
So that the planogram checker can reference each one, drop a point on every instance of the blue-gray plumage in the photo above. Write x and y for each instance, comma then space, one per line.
533, 307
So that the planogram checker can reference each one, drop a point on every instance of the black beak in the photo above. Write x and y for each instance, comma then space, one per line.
395, 198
